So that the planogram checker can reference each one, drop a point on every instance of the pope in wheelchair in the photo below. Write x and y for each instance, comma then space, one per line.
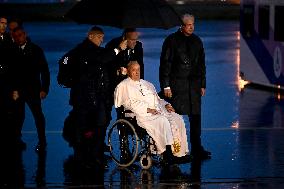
152, 113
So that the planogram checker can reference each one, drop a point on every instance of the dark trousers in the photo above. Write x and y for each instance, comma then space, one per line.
34, 104
8, 122
195, 133
95, 119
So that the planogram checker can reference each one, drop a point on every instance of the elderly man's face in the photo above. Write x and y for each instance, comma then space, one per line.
188, 26
3, 25
134, 72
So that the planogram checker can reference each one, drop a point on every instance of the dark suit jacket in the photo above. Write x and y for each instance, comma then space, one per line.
7, 69
32, 70
90, 94
91, 74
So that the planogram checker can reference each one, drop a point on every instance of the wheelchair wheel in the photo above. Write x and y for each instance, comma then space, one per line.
145, 161
123, 142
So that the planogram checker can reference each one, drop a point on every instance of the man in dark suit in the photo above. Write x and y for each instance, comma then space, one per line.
91, 95
33, 82
5, 67
183, 78
7, 85
134, 51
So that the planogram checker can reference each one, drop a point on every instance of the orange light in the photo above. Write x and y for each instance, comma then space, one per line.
235, 125
238, 36
278, 93
242, 84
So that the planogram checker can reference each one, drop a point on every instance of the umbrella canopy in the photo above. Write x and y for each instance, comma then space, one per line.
125, 13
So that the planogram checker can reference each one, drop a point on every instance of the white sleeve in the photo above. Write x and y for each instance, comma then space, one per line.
136, 106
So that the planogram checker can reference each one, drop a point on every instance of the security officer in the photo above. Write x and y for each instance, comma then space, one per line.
7, 84
91, 95
133, 52
33, 82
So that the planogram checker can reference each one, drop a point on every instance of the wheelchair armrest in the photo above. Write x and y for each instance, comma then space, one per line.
124, 113
130, 114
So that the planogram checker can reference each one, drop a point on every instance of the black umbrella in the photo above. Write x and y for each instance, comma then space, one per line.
125, 13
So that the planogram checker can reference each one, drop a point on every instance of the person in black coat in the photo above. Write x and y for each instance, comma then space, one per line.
133, 52
5, 67
182, 75
7, 84
91, 94
32, 84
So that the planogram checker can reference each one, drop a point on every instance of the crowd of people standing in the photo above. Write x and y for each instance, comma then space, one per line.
95, 73
24, 79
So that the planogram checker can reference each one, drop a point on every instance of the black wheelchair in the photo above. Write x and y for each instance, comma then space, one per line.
129, 143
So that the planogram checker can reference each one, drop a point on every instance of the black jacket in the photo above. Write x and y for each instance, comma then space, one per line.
123, 57
91, 70
8, 75
32, 70
182, 68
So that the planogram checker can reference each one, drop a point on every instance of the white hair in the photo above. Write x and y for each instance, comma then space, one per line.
186, 17
131, 63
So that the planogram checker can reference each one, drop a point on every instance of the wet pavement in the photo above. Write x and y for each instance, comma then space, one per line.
242, 128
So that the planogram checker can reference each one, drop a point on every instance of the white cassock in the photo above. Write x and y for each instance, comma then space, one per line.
165, 128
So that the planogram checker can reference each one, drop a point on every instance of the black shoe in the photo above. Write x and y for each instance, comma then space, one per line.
202, 154
183, 159
40, 147
205, 153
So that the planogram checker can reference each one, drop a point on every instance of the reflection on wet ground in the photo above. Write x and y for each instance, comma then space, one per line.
243, 129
